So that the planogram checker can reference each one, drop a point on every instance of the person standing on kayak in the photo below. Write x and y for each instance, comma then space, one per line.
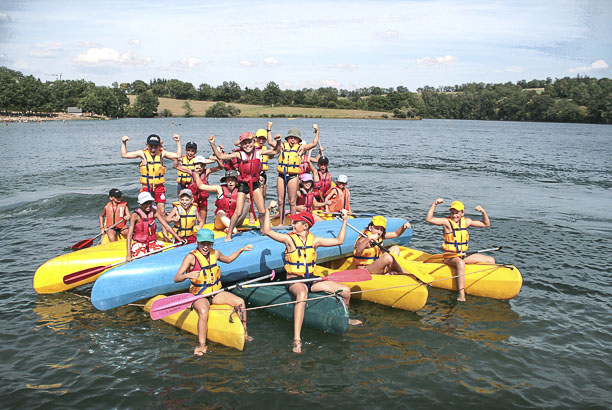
152, 169
301, 258
456, 239
200, 267
114, 211
183, 178
368, 255
141, 236
185, 216
249, 170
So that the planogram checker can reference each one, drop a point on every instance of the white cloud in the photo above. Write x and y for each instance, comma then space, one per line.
285, 84
105, 55
89, 44
514, 69
596, 65
20, 64
4, 18
323, 82
430, 62
387, 34
46, 49
344, 67
248, 63
271, 61
186, 63
134, 42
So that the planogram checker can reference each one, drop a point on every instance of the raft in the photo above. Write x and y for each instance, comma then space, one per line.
224, 325
153, 275
328, 314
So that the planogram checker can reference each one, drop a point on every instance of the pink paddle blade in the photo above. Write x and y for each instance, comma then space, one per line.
354, 275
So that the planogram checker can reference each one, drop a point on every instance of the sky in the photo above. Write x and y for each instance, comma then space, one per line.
307, 44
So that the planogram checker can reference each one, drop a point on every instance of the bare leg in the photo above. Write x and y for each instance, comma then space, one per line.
280, 192
459, 265
112, 235
300, 291
203, 212
292, 188
239, 208
227, 298
202, 307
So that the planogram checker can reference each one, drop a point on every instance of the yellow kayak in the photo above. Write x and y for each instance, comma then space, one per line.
221, 329
398, 291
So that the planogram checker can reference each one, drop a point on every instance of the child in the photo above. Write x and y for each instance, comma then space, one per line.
200, 267
141, 236
184, 178
368, 255
307, 200
114, 211
201, 173
324, 182
185, 216
456, 239
301, 258
339, 196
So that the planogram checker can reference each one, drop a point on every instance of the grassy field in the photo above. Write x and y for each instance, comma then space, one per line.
199, 109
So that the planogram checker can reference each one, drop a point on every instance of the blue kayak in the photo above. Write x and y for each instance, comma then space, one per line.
154, 275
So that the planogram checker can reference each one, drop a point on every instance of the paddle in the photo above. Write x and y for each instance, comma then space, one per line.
177, 303
440, 256
352, 213
86, 243
89, 272
355, 275
422, 276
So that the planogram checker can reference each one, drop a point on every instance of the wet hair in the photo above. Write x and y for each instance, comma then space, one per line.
384, 232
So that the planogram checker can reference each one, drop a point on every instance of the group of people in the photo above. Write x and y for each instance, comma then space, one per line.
310, 192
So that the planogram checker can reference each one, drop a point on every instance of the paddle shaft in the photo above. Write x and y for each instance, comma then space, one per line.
81, 243
365, 236
441, 255
355, 275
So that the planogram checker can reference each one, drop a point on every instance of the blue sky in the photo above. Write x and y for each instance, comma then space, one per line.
343, 44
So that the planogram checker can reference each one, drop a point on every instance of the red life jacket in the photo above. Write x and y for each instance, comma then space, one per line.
307, 200
115, 213
230, 164
324, 185
199, 195
249, 166
304, 167
144, 230
227, 202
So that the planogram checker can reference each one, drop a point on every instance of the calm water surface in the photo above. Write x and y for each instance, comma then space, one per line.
546, 187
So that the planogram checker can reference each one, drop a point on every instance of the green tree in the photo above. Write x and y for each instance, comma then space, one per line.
188, 109
228, 91
137, 87
145, 105
220, 110
272, 93
205, 92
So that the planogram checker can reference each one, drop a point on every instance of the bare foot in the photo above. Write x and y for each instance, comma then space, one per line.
461, 297
248, 338
355, 322
297, 346
228, 238
200, 350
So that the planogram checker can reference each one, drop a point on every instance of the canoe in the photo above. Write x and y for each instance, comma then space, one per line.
154, 275
397, 291
64, 272
328, 314
221, 329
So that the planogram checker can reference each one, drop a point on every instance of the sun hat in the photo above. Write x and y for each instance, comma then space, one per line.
145, 197
230, 174
379, 221
343, 179
205, 235
186, 192
191, 144
246, 136
153, 140
199, 160
458, 205
306, 177
304, 217
115, 193
294, 132
261, 133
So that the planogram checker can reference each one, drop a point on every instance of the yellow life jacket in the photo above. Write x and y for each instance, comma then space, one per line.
185, 227
456, 241
184, 178
303, 259
289, 161
210, 274
368, 255
153, 171
264, 158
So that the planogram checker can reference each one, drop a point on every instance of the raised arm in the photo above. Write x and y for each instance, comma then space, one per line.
203, 187
277, 147
398, 232
485, 223
179, 149
132, 154
271, 142
266, 229
314, 143
432, 219
319, 241
230, 258
218, 153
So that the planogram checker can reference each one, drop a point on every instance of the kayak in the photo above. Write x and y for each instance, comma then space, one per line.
224, 325
66, 271
328, 314
397, 291
145, 278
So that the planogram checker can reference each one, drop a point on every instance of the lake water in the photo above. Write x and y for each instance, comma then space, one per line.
546, 187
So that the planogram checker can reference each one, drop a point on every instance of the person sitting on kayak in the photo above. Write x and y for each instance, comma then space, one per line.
339, 196
368, 255
183, 178
301, 259
289, 162
200, 267
114, 211
307, 200
201, 173
141, 236
185, 216
456, 239
227, 197
152, 169
249, 169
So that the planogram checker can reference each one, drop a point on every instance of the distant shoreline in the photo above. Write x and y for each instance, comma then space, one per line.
55, 116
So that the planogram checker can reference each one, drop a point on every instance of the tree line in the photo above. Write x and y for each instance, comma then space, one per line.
579, 99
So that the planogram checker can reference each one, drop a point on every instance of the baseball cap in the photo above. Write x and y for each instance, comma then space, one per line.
153, 140
191, 144
304, 217
115, 193
458, 205
186, 192
246, 136
379, 221
343, 179
205, 235
144, 197
261, 133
